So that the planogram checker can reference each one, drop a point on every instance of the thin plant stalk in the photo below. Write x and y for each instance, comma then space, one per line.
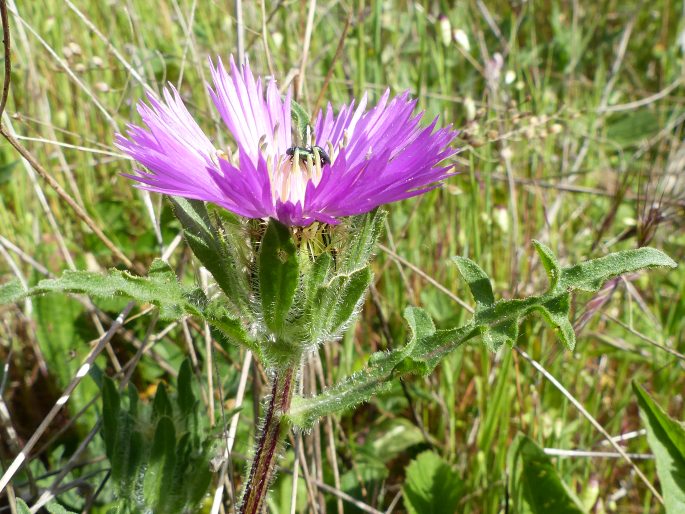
274, 431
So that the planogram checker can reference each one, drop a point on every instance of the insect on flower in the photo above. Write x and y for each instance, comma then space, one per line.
371, 157
313, 151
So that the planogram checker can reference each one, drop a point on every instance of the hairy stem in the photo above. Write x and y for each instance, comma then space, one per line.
273, 432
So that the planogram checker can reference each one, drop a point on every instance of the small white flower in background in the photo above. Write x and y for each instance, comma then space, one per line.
462, 39
509, 77
470, 108
493, 68
445, 30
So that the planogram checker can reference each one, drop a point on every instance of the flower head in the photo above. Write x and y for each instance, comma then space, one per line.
346, 164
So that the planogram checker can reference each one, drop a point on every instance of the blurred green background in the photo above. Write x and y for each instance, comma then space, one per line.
571, 117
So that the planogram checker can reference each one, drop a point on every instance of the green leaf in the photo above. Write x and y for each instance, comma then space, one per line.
161, 406
666, 438
535, 486
110, 414
365, 231
556, 312
11, 292
278, 275
208, 245
22, 508
160, 471
477, 280
160, 288
497, 335
336, 304
591, 275
186, 398
497, 324
420, 324
391, 438
348, 393
230, 326
550, 262
431, 486
55, 508
317, 276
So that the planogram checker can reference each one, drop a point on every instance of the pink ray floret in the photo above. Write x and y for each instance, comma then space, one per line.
377, 156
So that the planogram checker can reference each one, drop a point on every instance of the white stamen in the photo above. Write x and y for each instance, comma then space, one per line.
291, 174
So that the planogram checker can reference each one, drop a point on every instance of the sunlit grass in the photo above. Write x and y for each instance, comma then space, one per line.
553, 149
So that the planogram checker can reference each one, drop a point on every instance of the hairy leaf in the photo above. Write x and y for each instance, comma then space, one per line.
591, 275
336, 304
477, 280
158, 451
497, 323
206, 241
366, 228
550, 263
160, 288
161, 406
278, 275
160, 470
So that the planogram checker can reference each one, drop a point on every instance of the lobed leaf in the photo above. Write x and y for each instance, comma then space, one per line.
497, 323
160, 288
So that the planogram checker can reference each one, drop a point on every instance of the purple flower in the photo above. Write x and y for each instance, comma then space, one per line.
354, 161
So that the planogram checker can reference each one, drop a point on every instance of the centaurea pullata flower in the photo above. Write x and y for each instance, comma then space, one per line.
279, 164
346, 164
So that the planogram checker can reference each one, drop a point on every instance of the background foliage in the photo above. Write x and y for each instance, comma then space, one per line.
571, 117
